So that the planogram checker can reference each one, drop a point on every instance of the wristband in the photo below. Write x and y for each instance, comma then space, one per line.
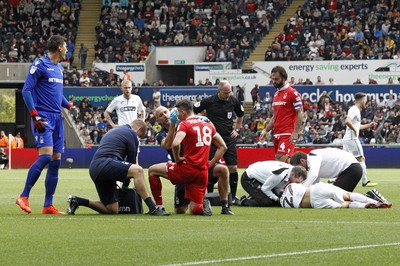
33, 113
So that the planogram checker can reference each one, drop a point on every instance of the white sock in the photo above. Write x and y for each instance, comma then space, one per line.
356, 205
361, 198
364, 178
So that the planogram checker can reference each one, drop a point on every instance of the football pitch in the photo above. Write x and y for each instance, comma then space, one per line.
253, 236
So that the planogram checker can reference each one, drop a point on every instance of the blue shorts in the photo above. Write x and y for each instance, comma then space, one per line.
54, 134
104, 173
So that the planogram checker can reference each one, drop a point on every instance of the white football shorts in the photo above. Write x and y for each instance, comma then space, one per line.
323, 195
354, 147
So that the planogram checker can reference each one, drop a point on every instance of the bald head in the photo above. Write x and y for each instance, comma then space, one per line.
162, 115
224, 90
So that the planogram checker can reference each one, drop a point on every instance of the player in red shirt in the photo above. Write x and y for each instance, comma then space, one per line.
288, 116
191, 169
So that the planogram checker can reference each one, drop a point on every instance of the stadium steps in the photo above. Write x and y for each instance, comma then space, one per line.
248, 108
88, 18
259, 52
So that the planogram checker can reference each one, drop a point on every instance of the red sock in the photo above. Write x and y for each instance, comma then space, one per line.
156, 187
198, 209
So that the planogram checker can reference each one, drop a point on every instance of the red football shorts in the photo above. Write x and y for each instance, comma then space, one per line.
195, 180
283, 145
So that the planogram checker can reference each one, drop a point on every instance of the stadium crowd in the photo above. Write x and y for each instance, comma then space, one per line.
339, 30
25, 26
127, 32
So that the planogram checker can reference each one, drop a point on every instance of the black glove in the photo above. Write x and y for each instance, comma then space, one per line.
38, 122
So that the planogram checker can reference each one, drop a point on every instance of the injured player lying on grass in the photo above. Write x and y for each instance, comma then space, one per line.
323, 195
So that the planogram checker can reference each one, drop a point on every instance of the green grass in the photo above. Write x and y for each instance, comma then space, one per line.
253, 236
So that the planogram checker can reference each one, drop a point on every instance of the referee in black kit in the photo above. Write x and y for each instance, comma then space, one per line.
222, 108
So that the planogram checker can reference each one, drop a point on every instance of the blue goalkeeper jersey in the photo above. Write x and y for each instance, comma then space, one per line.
43, 88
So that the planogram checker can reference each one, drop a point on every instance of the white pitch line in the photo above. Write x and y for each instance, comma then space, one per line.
202, 219
286, 254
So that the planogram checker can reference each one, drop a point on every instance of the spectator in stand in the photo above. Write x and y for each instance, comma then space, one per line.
17, 142
3, 139
126, 75
74, 81
372, 81
156, 97
240, 94
245, 135
254, 94
83, 52
381, 102
319, 81
3, 159
84, 81
267, 103
307, 82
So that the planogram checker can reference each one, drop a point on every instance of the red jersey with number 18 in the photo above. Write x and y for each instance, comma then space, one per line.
197, 142
286, 101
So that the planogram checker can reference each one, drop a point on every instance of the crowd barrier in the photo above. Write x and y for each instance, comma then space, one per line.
23, 158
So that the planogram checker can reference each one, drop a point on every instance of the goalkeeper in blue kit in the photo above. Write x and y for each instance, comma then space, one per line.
43, 96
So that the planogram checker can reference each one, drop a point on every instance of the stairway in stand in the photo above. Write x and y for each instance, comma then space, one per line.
89, 15
259, 52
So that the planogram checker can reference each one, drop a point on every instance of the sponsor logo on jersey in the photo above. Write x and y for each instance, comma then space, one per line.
50, 69
55, 80
278, 103
127, 108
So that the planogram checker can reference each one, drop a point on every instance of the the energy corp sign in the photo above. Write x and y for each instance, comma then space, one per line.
342, 72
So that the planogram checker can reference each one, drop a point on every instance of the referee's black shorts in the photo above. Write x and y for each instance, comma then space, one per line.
230, 155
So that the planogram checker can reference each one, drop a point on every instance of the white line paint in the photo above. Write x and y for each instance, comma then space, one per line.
306, 252
98, 217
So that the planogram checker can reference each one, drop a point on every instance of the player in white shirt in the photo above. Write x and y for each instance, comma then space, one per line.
329, 163
323, 195
351, 143
128, 106
265, 180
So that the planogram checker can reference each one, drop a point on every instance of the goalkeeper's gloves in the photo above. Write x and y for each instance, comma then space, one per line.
173, 117
38, 122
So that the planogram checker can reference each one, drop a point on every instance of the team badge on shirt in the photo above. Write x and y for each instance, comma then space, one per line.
32, 70
229, 115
